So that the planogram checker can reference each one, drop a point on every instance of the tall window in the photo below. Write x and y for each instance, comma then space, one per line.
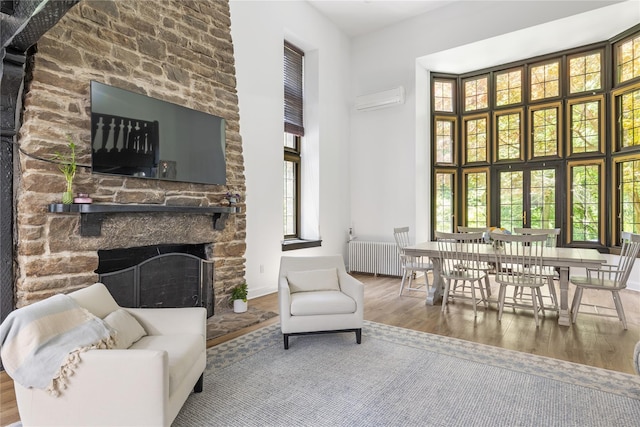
476, 136
628, 178
444, 200
293, 133
586, 203
477, 197
554, 140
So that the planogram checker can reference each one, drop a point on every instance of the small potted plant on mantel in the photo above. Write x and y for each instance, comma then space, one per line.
67, 165
239, 297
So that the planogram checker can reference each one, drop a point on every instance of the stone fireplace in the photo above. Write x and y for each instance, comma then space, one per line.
172, 50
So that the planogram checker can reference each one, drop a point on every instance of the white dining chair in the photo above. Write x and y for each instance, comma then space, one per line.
519, 264
609, 277
551, 273
411, 265
459, 255
484, 266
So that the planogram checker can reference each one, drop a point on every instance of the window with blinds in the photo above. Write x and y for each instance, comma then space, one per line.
293, 90
293, 133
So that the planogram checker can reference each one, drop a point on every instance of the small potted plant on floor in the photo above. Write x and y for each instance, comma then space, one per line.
239, 297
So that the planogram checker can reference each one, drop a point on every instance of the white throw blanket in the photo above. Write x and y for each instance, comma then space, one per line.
41, 343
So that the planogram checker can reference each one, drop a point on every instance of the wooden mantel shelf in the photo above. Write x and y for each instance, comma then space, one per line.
92, 215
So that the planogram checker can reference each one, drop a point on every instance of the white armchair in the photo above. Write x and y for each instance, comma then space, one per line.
317, 295
140, 384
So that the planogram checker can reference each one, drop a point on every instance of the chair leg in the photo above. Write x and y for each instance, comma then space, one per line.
484, 295
404, 277
198, 387
540, 301
473, 299
487, 285
286, 341
534, 302
575, 305
358, 336
619, 309
501, 294
516, 290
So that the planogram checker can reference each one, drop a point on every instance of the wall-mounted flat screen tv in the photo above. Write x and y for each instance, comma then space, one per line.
136, 135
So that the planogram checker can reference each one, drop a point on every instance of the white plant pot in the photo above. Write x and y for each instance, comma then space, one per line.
239, 306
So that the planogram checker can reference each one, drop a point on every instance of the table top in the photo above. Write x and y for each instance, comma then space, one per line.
559, 257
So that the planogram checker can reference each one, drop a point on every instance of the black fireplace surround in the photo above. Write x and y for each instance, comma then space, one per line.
159, 276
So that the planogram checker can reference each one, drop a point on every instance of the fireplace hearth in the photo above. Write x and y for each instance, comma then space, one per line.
160, 276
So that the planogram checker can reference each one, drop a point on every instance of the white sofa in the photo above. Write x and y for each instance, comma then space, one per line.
317, 295
143, 385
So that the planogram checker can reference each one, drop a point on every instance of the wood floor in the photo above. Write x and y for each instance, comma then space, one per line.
593, 340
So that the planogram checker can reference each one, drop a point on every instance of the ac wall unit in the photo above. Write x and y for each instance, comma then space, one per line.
387, 98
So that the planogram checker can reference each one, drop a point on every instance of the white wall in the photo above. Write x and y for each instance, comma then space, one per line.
258, 29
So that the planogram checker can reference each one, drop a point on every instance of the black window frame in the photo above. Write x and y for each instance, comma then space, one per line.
293, 124
609, 232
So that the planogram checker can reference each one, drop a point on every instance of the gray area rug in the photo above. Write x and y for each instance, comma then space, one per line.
399, 377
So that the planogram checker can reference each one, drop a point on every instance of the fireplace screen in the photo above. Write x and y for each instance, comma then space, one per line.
166, 280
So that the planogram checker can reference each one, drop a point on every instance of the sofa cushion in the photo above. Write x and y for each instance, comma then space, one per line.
127, 328
321, 302
313, 280
182, 351
95, 298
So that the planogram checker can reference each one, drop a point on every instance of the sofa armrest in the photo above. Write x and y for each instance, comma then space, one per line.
170, 321
109, 387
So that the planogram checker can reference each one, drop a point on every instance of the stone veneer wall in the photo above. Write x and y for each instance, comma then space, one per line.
175, 50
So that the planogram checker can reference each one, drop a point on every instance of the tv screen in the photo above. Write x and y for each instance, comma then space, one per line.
136, 135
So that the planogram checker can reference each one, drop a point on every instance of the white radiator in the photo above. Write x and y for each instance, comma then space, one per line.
374, 257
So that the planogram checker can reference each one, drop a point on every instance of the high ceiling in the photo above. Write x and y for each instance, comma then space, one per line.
357, 17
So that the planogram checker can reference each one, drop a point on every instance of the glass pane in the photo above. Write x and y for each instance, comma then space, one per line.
543, 198
290, 141
585, 73
630, 196
585, 127
443, 96
545, 132
509, 88
630, 119
289, 198
476, 143
444, 202
511, 199
476, 95
444, 141
585, 203
476, 197
628, 59
545, 81
509, 136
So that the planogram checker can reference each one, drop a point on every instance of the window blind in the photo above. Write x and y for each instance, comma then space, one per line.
293, 89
